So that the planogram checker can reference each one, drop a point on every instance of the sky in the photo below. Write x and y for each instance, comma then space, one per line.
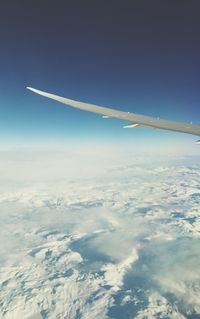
139, 56
67, 173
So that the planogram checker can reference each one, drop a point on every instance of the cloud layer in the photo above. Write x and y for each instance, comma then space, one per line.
120, 243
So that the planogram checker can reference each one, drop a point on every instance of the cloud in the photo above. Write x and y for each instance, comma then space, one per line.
178, 272
75, 244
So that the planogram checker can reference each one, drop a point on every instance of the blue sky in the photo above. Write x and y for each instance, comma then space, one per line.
137, 56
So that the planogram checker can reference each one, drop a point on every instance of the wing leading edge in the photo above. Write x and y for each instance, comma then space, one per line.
140, 120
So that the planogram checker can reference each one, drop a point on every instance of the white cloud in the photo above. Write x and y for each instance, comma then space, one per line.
68, 238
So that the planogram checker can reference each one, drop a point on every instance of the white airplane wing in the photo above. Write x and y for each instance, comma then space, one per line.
136, 120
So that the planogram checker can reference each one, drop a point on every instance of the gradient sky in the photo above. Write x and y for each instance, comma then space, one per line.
140, 56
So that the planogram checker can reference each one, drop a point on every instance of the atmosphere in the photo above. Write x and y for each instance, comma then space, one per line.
100, 159
136, 56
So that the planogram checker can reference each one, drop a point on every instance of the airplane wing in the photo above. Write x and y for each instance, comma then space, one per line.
136, 120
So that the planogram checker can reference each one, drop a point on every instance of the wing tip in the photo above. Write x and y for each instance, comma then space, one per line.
35, 90
29, 88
